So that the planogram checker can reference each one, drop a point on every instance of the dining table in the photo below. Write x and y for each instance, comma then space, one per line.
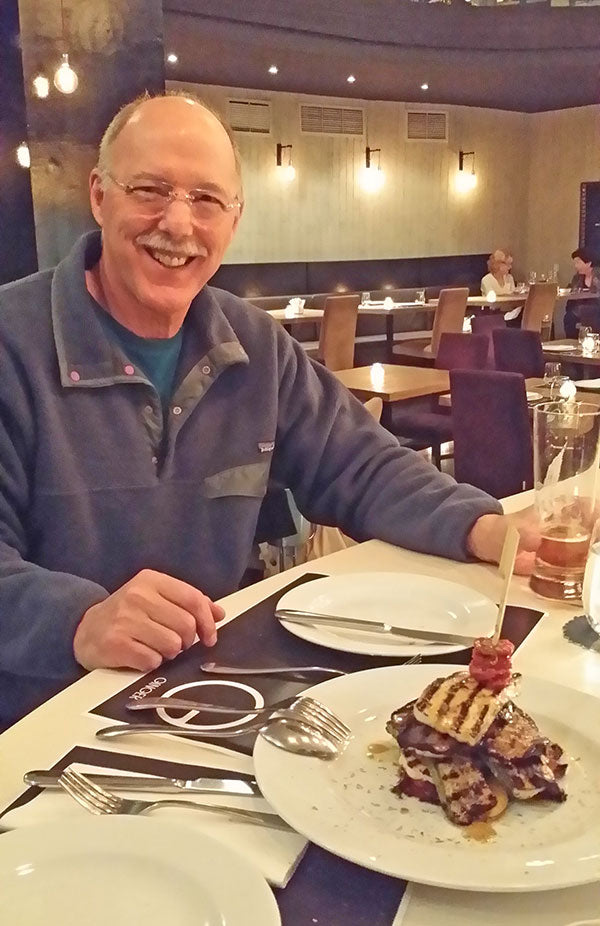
69, 719
392, 382
572, 353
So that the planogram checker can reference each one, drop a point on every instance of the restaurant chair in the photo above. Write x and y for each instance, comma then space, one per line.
423, 422
492, 433
486, 324
539, 307
338, 332
448, 319
518, 351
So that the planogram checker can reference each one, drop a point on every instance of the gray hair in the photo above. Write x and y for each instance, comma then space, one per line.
122, 117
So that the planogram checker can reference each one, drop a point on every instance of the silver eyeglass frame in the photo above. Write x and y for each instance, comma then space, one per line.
171, 194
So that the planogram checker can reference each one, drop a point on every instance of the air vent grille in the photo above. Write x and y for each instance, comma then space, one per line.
250, 116
331, 120
427, 126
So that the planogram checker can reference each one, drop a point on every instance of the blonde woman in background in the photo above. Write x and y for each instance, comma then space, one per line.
500, 279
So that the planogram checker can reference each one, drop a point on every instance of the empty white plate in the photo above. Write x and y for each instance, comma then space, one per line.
127, 870
401, 599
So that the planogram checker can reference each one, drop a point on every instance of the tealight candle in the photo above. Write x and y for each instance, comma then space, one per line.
589, 343
377, 375
491, 296
568, 390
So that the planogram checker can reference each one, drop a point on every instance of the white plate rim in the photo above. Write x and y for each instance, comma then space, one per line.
149, 838
264, 752
322, 637
559, 348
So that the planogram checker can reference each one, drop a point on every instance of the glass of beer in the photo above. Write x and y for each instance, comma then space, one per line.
566, 444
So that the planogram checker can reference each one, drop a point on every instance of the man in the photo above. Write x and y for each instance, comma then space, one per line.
142, 412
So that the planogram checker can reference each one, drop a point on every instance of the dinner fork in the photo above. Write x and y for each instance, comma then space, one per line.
99, 801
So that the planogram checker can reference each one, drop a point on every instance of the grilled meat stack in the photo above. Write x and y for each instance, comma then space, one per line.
468, 748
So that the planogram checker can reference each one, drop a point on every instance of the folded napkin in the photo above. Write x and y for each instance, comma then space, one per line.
275, 852
296, 305
431, 906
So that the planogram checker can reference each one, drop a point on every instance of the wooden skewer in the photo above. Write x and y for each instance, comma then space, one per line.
507, 564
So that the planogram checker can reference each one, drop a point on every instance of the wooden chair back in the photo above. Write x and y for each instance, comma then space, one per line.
338, 332
539, 307
449, 314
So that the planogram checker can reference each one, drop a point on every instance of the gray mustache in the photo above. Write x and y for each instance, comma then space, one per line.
183, 248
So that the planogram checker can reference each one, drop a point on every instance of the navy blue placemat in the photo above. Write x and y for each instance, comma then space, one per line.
257, 638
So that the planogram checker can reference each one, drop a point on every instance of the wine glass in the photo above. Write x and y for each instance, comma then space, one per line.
591, 580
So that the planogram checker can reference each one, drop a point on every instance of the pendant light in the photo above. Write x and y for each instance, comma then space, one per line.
65, 78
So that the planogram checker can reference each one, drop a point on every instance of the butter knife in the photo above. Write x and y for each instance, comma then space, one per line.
239, 786
309, 618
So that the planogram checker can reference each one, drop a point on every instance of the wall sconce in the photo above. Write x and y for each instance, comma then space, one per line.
372, 175
466, 180
287, 171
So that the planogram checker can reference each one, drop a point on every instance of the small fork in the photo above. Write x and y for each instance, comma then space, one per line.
99, 801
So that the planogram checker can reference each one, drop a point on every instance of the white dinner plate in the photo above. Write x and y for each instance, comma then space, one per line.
347, 807
534, 396
398, 598
560, 348
121, 871
591, 385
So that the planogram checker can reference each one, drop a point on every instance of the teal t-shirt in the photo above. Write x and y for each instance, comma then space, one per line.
157, 357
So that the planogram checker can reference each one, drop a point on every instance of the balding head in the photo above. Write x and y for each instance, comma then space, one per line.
172, 105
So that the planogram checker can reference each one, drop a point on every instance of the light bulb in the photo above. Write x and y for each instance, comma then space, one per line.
287, 172
65, 78
23, 156
172, 58
273, 69
372, 179
41, 86
465, 181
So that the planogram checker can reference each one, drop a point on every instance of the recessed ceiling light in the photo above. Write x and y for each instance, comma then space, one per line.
424, 86
172, 58
273, 69
351, 78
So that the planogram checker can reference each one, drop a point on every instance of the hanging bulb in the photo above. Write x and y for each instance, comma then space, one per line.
372, 179
23, 156
41, 86
65, 78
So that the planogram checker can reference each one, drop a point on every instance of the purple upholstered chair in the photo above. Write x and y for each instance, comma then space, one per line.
487, 324
422, 422
492, 432
518, 351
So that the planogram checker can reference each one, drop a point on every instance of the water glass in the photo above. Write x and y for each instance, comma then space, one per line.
566, 446
365, 297
420, 296
532, 277
591, 580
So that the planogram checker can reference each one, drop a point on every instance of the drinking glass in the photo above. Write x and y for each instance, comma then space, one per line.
532, 277
566, 444
591, 580
365, 297
420, 296
551, 370
582, 334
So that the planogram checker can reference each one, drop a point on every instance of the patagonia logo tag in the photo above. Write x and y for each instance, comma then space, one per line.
266, 446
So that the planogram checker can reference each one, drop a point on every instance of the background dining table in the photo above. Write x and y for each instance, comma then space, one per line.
49, 732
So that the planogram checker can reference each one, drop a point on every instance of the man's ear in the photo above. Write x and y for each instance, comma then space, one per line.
96, 195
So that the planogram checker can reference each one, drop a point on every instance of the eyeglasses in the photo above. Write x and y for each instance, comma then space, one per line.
153, 197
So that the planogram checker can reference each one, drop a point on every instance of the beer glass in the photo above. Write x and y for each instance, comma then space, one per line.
591, 581
566, 441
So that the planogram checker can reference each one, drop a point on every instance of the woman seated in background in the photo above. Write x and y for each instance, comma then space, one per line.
500, 280
585, 280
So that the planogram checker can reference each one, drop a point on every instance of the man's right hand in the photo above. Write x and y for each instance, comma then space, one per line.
151, 618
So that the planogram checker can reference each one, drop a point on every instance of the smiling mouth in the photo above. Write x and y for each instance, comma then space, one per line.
169, 259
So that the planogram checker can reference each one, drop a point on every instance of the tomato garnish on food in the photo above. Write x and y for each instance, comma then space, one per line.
490, 664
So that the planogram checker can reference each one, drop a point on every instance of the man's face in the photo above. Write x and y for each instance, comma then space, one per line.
159, 258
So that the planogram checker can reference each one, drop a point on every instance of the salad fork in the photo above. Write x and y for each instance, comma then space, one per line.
99, 801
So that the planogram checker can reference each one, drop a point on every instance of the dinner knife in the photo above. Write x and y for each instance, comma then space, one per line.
239, 786
308, 618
